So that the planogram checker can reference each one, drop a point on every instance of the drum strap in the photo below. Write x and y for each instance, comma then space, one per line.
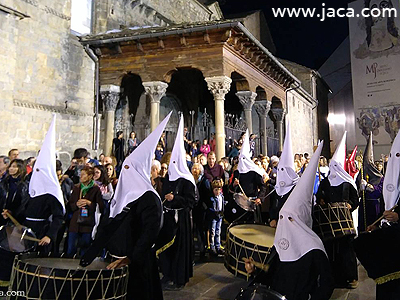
388, 277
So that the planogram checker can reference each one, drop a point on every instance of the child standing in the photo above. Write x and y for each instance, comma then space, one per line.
216, 214
205, 148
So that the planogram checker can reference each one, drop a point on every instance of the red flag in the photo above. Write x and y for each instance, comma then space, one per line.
350, 165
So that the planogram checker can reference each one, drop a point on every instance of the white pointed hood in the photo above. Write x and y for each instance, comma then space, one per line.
134, 179
391, 183
286, 177
295, 238
337, 173
245, 163
178, 167
44, 178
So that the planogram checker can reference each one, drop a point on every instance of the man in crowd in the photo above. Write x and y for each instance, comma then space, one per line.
4, 162
212, 169
13, 154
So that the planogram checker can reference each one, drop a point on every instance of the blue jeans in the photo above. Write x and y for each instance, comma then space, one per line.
84, 240
215, 234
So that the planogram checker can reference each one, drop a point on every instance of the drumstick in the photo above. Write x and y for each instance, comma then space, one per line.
392, 209
243, 191
257, 264
16, 223
29, 238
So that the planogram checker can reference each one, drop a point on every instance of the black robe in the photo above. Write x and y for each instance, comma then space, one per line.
340, 250
133, 233
276, 203
176, 262
42, 207
253, 186
199, 213
378, 251
298, 280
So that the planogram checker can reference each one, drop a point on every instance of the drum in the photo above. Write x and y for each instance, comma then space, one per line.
12, 242
333, 220
233, 211
16, 240
244, 202
245, 241
41, 277
378, 252
258, 292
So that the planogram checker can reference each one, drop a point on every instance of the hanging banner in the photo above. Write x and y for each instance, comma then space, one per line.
375, 65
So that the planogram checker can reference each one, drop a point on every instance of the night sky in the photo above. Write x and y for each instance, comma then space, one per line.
307, 41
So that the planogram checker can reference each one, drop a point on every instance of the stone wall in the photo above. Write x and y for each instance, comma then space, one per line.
43, 70
112, 14
302, 123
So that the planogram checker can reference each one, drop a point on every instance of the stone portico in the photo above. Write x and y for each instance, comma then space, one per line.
238, 71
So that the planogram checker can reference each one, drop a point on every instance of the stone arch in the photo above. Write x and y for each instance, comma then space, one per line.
240, 82
189, 87
276, 102
261, 94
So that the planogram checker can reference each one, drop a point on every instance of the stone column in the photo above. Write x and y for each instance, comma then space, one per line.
279, 114
155, 90
262, 109
110, 95
247, 99
219, 86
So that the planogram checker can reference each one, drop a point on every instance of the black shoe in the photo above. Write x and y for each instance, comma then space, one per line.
220, 251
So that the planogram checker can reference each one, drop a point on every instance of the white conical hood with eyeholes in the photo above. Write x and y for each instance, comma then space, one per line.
134, 179
44, 178
286, 177
391, 183
294, 236
178, 167
246, 164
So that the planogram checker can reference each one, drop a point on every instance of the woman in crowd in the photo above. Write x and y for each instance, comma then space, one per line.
100, 177
118, 150
133, 142
13, 196
83, 201
14, 190
112, 175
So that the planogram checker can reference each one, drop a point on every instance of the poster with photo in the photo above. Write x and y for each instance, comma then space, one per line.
375, 65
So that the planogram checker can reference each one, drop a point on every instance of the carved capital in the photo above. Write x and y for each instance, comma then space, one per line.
110, 95
219, 86
262, 107
278, 113
155, 90
247, 99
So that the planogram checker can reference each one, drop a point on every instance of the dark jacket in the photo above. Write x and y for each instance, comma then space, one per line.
14, 196
93, 195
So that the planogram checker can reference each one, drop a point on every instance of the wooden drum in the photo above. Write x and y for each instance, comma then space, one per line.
333, 220
245, 241
62, 278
